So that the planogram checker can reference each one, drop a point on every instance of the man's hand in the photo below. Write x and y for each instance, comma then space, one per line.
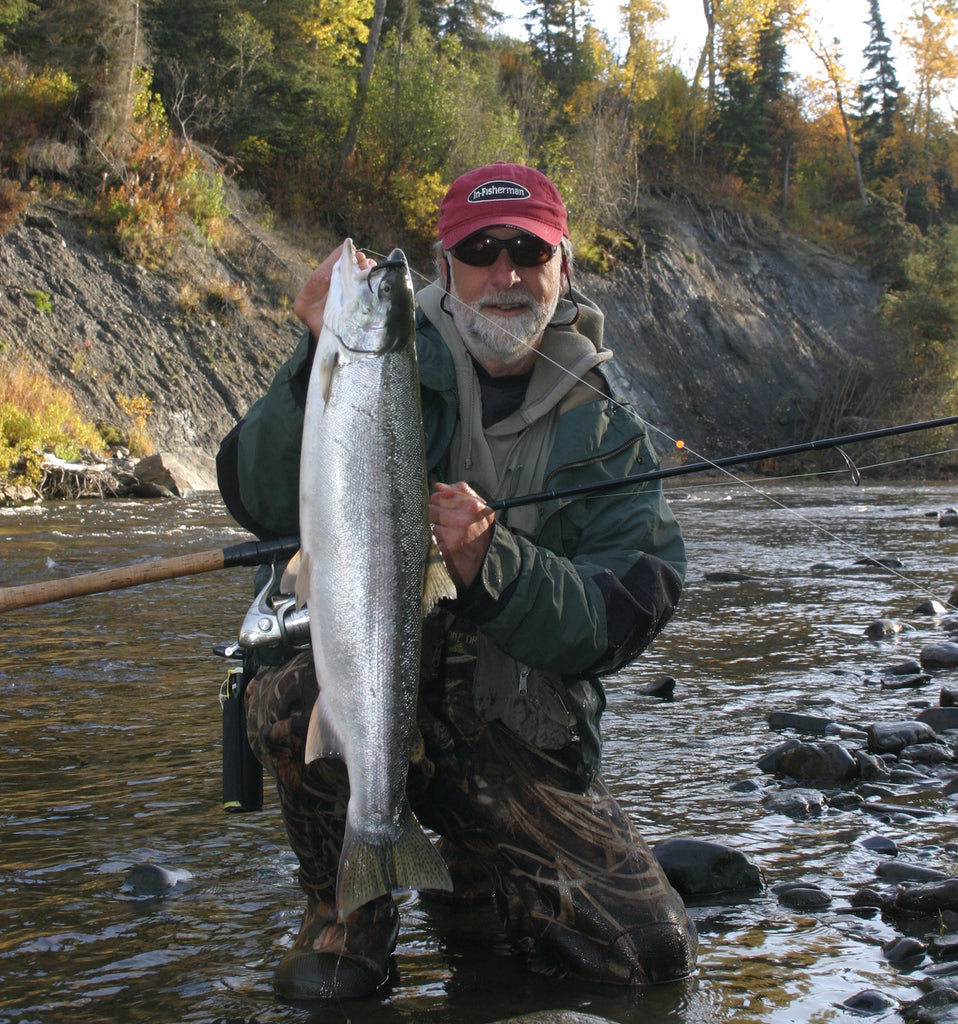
311, 301
462, 524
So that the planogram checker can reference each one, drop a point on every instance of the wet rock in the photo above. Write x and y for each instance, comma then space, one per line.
798, 804
943, 654
803, 896
152, 879
885, 562
869, 1002
823, 760
899, 950
913, 682
928, 898
948, 698
951, 788
808, 724
881, 844
880, 629
902, 668
943, 947
663, 688
768, 762
845, 801
928, 753
940, 719
931, 608
938, 1007
899, 871
871, 768
893, 737
701, 868
899, 813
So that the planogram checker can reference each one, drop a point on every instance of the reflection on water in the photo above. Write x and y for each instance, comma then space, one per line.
109, 722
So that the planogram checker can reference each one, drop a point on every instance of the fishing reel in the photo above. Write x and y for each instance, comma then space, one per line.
274, 619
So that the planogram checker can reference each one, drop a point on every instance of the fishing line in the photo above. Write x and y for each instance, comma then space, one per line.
681, 446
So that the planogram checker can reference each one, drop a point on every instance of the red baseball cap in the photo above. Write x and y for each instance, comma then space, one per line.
506, 195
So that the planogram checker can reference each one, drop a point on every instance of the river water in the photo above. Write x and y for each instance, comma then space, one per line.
110, 758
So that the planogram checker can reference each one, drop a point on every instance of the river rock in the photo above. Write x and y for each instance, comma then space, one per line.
881, 844
899, 871
941, 719
938, 1007
902, 668
899, 950
798, 804
802, 896
928, 753
948, 698
885, 562
906, 682
931, 608
869, 1003
879, 629
152, 879
697, 867
893, 737
183, 472
823, 760
808, 724
928, 898
943, 654
663, 688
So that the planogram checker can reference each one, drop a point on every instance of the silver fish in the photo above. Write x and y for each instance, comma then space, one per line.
367, 572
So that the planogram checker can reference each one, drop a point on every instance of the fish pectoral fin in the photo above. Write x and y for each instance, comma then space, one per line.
368, 870
287, 584
301, 582
437, 583
322, 739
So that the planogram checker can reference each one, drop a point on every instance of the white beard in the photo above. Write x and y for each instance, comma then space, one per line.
501, 339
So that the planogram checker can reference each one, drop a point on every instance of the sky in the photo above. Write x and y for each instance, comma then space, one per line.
842, 19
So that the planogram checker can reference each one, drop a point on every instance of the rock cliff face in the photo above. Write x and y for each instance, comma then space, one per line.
721, 331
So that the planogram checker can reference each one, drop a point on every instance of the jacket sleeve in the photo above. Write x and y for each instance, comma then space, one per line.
595, 588
257, 466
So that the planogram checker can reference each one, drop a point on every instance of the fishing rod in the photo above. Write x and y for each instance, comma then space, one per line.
253, 553
248, 553
600, 486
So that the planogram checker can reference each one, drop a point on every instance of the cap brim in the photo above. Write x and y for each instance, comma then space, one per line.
547, 232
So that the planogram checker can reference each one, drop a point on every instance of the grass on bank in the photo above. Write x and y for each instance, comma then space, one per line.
39, 416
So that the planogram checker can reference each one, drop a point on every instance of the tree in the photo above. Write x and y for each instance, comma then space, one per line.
557, 32
829, 56
878, 95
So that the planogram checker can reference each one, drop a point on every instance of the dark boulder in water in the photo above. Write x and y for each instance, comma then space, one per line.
697, 867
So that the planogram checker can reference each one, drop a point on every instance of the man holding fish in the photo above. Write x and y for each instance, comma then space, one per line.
472, 709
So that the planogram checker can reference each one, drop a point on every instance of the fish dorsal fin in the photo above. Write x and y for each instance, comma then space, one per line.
437, 582
321, 737
287, 584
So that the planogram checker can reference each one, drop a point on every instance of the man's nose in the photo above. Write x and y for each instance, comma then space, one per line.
504, 272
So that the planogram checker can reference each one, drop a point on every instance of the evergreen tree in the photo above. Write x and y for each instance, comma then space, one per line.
879, 96
557, 33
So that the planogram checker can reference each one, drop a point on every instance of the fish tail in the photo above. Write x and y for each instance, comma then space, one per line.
368, 869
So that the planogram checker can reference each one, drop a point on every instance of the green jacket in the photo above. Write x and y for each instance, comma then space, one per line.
579, 595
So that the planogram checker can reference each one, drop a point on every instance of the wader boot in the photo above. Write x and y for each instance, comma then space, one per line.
329, 959
578, 889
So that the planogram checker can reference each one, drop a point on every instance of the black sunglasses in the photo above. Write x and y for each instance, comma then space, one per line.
524, 250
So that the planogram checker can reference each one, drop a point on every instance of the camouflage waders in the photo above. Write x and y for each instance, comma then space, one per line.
578, 889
